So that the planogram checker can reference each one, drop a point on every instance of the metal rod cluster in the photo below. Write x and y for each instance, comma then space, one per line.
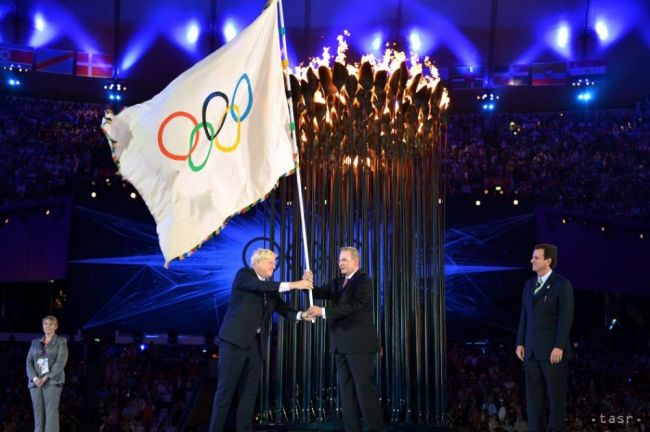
371, 145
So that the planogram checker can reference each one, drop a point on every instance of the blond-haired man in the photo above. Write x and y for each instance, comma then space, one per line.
243, 335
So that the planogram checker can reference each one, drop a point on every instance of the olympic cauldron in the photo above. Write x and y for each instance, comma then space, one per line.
371, 140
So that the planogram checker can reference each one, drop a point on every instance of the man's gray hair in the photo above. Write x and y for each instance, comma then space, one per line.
353, 252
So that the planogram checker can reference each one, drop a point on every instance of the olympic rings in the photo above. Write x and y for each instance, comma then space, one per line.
161, 128
250, 99
236, 144
204, 110
207, 127
192, 135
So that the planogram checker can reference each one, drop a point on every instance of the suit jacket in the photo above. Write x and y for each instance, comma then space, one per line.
57, 357
349, 315
546, 318
252, 302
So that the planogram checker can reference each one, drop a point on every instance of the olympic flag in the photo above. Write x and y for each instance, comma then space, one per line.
213, 143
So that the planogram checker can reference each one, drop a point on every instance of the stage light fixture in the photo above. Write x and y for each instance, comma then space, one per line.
562, 38
585, 96
488, 100
602, 30
115, 90
477, 203
192, 35
613, 324
229, 31
39, 22
415, 41
583, 82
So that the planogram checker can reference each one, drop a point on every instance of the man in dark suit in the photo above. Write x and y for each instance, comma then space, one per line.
353, 340
243, 337
543, 339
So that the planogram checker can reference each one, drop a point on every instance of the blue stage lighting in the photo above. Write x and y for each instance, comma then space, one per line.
602, 30
585, 96
562, 38
377, 41
42, 32
59, 21
229, 31
39, 22
193, 32
147, 296
114, 89
488, 100
415, 41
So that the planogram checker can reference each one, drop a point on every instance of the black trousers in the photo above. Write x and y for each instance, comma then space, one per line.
542, 378
239, 372
356, 381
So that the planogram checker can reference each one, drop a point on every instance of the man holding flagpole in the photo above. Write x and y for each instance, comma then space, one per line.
244, 334
211, 145
354, 341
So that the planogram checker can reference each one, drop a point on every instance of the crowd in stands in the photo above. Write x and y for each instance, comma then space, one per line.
49, 148
608, 389
109, 387
595, 161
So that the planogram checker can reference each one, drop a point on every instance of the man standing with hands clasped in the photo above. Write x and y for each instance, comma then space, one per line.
543, 339
353, 340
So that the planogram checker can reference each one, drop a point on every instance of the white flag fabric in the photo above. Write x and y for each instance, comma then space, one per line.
213, 143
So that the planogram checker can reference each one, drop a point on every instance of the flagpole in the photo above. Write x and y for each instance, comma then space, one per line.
285, 68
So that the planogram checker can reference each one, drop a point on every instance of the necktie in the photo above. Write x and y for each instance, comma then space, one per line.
265, 315
538, 286
345, 282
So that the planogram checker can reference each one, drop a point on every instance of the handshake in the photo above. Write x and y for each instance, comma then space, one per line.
307, 283
312, 313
